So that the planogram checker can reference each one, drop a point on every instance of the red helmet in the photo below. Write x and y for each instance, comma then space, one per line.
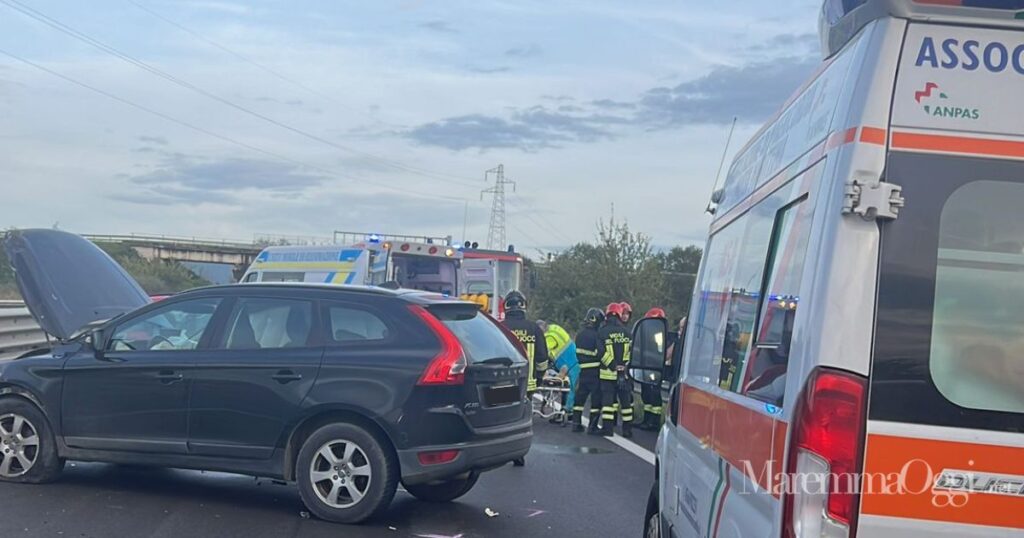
627, 309
613, 309
656, 312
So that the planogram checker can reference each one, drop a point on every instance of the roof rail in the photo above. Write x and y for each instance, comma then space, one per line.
349, 238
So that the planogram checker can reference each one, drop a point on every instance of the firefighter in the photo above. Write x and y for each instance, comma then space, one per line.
589, 350
651, 394
529, 334
616, 390
627, 313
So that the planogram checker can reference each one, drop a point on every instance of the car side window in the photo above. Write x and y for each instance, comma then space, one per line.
350, 324
178, 326
269, 323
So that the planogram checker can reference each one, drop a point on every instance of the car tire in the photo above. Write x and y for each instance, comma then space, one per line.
28, 449
652, 521
442, 492
346, 474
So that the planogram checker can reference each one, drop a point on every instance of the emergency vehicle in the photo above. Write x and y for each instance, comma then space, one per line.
853, 359
485, 271
407, 264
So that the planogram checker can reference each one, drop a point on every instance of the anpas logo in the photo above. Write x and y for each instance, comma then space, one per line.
932, 99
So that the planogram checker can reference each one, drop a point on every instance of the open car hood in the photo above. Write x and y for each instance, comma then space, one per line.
68, 282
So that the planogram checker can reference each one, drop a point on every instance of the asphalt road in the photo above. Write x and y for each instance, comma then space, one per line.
573, 485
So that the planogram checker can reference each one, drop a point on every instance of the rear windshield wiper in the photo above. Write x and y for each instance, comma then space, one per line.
502, 361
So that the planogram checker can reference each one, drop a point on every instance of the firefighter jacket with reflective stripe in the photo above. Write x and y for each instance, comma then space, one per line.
616, 343
589, 348
533, 342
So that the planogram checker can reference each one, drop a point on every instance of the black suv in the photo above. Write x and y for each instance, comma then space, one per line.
344, 390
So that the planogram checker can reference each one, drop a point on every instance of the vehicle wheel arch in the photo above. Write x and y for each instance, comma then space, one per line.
8, 390
322, 417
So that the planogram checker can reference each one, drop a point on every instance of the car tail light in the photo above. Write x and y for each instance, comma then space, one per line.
449, 366
825, 454
437, 457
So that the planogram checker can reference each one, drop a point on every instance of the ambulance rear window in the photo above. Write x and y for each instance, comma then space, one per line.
976, 356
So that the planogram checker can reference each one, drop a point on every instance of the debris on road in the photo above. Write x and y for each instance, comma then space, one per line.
490, 513
304, 514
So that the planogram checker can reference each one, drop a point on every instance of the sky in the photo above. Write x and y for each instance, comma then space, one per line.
228, 119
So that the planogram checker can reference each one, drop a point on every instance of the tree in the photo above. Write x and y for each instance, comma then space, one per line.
684, 260
620, 266
679, 270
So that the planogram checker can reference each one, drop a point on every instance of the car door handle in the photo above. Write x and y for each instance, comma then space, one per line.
286, 376
169, 377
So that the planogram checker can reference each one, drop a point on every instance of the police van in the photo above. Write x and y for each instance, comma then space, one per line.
854, 358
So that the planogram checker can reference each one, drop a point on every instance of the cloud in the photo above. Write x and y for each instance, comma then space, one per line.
438, 25
188, 180
529, 130
158, 140
489, 70
751, 92
289, 102
526, 51
222, 7
612, 104
792, 43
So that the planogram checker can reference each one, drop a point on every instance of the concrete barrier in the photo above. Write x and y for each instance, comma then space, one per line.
18, 331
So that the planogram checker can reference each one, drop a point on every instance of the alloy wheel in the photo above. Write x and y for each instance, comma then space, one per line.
19, 445
340, 473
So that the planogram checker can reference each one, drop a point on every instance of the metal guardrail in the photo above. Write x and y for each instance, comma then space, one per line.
18, 331
291, 240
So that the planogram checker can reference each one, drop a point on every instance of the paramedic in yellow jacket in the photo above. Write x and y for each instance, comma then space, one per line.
562, 349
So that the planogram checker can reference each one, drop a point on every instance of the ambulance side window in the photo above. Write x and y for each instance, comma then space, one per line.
703, 342
744, 293
765, 376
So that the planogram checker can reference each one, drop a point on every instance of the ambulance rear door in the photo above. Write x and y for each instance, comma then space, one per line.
944, 451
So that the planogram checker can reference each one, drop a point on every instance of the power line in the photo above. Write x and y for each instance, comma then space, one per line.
238, 55
212, 133
68, 30
548, 229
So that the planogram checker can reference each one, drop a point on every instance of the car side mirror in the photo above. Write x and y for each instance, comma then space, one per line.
95, 341
649, 351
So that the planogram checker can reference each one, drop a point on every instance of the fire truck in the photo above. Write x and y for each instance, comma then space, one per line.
488, 275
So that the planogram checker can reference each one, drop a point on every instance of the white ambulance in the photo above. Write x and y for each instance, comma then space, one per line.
854, 359
407, 264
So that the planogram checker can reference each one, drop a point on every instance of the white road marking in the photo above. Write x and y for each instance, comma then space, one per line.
627, 445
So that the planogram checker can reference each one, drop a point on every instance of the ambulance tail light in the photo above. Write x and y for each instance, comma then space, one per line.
448, 367
822, 496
